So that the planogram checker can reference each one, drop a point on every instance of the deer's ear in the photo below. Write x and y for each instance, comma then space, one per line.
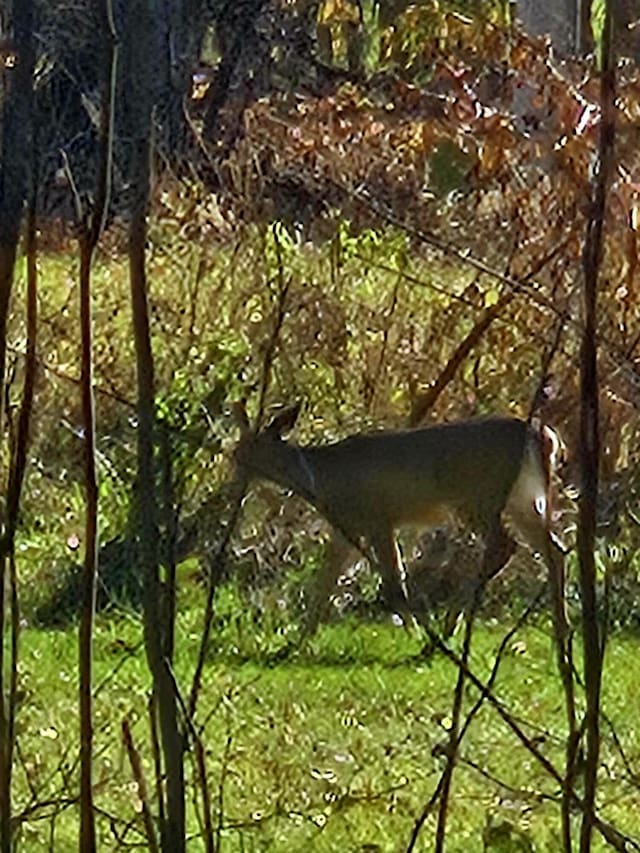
285, 420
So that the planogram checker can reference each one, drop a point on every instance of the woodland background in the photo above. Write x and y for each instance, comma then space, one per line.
383, 210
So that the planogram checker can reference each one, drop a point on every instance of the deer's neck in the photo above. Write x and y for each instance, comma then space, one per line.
291, 467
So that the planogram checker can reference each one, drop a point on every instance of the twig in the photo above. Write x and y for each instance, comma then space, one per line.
388, 319
169, 511
425, 402
521, 793
274, 337
589, 436
138, 775
157, 760
214, 573
564, 657
613, 836
203, 782
454, 738
421, 820
68, 173
217, 562
538, 397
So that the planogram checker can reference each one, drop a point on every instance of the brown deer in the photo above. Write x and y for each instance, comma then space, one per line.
370, 485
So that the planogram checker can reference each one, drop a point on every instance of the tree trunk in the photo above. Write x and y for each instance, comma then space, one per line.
15, 160
139, 79
181, 26
589, 444
559, 19
627, 28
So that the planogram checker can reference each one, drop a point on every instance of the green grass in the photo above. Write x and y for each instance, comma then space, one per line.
333, 749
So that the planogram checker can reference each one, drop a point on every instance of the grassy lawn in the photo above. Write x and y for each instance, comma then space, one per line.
333, 749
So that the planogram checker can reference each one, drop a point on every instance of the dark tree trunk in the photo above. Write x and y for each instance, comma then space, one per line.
589, 445
561, 20
139, 53
91, 223
181, 26
627, 28
15, 160
15, 153
237, 41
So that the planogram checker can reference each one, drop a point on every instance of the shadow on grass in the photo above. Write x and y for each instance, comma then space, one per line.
344, 646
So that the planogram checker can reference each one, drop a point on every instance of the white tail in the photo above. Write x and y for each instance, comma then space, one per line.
370, 485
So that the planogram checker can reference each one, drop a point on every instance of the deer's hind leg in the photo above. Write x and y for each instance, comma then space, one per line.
534, 527
498, 547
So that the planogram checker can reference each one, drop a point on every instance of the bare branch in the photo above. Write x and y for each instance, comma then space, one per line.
589, 446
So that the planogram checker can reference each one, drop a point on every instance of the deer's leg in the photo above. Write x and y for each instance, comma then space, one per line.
499, 547
337, 552
534, 529
387, 558
533, 526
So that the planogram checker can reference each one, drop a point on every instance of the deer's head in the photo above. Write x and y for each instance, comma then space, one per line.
257, 452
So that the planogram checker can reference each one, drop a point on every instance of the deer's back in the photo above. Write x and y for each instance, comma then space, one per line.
414, 476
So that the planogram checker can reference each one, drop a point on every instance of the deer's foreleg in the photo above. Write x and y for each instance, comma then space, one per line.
386, 557
337, 552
